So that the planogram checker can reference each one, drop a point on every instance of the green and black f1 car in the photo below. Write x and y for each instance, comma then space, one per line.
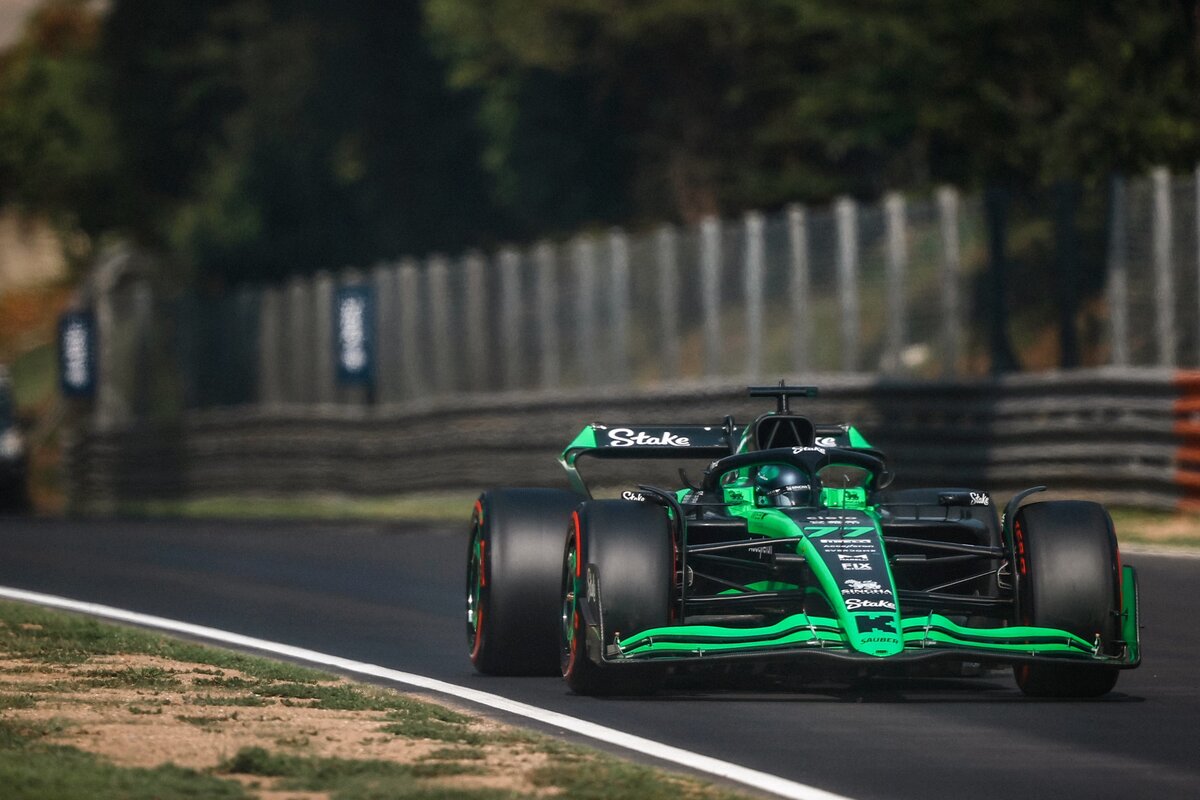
790, 553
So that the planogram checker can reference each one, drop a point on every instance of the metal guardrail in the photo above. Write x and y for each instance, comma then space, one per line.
1124, 436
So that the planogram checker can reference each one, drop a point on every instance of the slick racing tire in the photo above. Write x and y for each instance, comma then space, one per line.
514, 568
1068, 575
617, 570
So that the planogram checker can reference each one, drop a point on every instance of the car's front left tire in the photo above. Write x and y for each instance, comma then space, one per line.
1068, 575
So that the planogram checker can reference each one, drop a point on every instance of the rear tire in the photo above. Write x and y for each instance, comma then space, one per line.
621, 552
514, 566
1068, 577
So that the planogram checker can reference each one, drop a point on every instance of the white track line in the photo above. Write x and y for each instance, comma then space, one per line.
694, 761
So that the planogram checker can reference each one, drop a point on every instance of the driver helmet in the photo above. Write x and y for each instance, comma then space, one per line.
782, 486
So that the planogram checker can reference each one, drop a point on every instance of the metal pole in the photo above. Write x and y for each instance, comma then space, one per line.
386, 333
846, 212
270, 349
897, 269
710, 284
412, 343
755, 278
324, 357
547, 311
510, 316
947, 199
583, 264
668, 299
799, 290
437, 277
476, 321
1164, 268
619, 298
1118, 273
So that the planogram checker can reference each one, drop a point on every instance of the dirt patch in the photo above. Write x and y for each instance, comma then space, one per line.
196, 716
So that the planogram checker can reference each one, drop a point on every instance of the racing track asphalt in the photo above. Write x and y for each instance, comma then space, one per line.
390, 594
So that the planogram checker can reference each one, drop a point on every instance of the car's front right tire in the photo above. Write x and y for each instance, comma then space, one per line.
618, 561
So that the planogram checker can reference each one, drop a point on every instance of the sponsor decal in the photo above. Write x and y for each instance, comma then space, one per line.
854, 586
853, 557
591, 582
876, 623
980, 499
878, 639
627, 437
826, 441
856, 567
833, 520
638, 496
798, 450
857, 604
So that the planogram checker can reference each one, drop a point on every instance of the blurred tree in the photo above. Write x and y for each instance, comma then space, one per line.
294, 136
257, 138
58, 149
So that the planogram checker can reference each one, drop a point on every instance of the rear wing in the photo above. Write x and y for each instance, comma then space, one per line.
683, 442
630, 441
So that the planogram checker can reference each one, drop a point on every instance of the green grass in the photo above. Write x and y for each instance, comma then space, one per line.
451, 506
1176, 528
33, 768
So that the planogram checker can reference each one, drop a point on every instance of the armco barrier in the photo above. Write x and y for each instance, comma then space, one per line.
1187, 432
1128, 437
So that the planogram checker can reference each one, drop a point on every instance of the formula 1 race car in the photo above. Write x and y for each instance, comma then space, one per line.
791, 552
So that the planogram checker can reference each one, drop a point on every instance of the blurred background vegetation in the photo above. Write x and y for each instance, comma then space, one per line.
253, 139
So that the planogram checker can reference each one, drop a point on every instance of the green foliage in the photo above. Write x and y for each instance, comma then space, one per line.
58, 147
258, 138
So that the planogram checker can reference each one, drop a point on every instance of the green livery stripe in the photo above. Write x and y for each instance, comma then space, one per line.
796, 629
1129, 614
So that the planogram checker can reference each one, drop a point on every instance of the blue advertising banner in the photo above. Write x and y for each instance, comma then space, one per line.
353, 337
77, 354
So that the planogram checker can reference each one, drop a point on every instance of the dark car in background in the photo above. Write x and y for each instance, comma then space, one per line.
14, 456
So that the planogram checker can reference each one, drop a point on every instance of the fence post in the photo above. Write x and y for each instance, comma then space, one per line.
755, 277
619, 299
583, 264
1164, 268
897, 269
476, 322
1118, 273
323, 356
437, 277
412, 344
710, 285
797, 224
846, 211
270, 349
386, 333
952, 327
510, 315
548, 303
300, 341
668, 299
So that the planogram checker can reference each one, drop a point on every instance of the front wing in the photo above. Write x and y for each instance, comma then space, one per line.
928, 636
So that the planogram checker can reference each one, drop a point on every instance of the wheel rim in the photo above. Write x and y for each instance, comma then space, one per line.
570, 608
475, 581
